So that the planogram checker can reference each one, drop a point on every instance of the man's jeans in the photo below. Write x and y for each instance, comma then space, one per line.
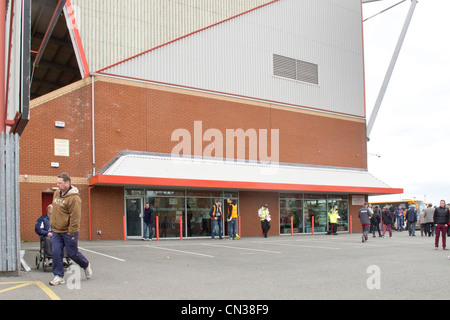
217, 223
59, 241
412, 228
148, 226
399, 223
232, 228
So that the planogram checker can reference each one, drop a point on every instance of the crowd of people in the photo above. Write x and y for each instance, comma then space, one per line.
433, 221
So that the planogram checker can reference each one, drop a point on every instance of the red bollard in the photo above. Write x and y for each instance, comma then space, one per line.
181, 228
157, 228
124, 228
312, 225
239, 226
351, 225
292, 226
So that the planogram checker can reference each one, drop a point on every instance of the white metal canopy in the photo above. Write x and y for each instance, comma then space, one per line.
137, 168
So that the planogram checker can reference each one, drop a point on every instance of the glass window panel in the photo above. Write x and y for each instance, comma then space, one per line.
134, 192
315, 196
342, 204
198, 219
204, 194
291, 208
291, 195
164, 193
169, 210
318, 210
228, 194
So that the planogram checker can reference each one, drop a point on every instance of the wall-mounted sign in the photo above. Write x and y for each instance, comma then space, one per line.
61, 147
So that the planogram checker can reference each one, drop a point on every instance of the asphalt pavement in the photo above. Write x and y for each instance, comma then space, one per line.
305, 267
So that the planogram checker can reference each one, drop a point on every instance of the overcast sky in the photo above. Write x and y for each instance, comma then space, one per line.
412, 130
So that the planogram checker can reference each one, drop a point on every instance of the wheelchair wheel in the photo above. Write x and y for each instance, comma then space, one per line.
45, 264
38, 256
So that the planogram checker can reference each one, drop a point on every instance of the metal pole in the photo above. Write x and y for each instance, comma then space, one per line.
390, 69
2, 65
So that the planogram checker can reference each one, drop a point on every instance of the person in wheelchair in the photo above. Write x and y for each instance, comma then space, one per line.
44, 231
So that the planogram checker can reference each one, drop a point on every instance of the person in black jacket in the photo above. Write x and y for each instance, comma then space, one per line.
411, 219
148, 222
375, 221
441, 218
364, 215
387, 221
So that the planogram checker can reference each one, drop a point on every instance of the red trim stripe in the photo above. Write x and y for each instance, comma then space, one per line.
241, 185
78, 41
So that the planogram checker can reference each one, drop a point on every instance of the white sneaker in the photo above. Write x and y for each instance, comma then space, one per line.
57, 281
88, 271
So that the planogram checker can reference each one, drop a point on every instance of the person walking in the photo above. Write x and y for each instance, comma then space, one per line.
399, 217
429, 214
232, 218
375, 221
422, 223
411, 219
216, 217
148, 223
386, 218
65, 223
364, 216
264, 217
441, 218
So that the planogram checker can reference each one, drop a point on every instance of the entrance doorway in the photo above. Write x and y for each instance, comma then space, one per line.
47, 199
134, 213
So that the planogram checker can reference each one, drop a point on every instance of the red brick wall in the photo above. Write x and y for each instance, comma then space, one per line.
142, 117
108, 209
249, 203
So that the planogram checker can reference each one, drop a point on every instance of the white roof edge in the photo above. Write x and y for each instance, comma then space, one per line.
190, 168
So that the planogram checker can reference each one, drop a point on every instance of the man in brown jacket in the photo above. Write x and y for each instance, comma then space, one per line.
65, 223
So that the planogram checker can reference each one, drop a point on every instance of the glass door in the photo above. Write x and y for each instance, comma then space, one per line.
134, 215
318, 210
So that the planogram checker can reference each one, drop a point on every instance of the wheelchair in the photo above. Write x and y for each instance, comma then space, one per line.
44, 257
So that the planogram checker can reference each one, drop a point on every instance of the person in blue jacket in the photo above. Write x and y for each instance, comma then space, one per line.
44, 230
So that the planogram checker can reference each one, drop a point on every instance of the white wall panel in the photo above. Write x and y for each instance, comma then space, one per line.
113, 30
236, 56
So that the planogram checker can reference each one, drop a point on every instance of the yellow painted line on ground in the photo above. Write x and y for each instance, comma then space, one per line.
41, 285
23, 284
47, 290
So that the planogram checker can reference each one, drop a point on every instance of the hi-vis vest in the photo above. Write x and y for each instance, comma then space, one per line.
333, 215
234, 211
216, 213
263, 213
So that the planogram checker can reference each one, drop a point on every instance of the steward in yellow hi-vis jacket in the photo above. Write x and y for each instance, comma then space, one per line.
264, 217
232, 218
333, 216
216, 219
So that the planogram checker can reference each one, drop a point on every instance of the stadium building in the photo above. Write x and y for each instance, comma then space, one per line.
181, 103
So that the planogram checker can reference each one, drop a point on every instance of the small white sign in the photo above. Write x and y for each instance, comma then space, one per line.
62, 147
358, 200
60, 124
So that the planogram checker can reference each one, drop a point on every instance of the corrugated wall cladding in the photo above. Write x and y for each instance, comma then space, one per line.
113, 30
236, 56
